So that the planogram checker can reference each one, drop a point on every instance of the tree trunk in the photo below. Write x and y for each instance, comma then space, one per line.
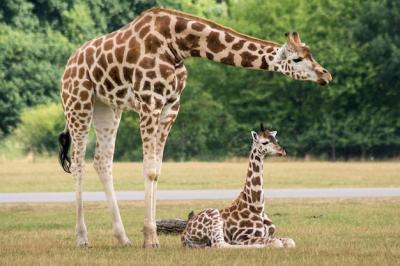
363, 153
170, 226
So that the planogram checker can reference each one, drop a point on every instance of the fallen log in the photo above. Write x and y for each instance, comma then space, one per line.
172, 226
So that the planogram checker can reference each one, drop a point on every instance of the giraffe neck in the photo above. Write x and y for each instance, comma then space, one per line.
254, 187
192, 36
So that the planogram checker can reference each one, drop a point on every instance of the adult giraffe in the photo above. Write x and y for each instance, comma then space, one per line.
140, 68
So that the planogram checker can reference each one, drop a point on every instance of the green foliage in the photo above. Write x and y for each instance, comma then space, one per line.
40, 127
357, 41
202, 126
79, 25
30, 68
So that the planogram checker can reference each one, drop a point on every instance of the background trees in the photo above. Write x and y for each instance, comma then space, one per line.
355, 116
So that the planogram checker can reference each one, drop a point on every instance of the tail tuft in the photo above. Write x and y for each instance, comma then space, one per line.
65, 142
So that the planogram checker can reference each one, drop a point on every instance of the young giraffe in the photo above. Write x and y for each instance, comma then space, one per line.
140, 68
244, 223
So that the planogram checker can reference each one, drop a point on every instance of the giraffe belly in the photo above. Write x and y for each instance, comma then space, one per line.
121, 97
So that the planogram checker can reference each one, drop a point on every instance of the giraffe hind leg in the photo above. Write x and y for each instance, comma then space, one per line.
105, 122
204, 229
196, 233
79, 134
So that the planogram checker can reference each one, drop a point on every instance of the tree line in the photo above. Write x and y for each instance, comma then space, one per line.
356, 116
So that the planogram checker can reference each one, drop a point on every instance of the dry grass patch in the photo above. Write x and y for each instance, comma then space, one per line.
327, 232
22, 176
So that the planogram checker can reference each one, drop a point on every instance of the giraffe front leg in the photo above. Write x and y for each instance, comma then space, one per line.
287, 242
167, 119
269, 226
149, 122
105, 122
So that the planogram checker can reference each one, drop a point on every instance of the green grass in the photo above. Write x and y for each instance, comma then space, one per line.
327, 232
46, 175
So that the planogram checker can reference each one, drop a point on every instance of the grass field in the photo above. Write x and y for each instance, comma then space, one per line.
327, 232
46, 175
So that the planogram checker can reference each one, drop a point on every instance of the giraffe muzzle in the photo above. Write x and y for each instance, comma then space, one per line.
325, 78
281, 153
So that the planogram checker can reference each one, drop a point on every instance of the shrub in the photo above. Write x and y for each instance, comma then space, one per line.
39, 128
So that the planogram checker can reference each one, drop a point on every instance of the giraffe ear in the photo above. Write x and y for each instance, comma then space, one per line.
293, 39
273, 133
254, 135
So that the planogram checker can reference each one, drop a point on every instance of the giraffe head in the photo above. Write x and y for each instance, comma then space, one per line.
265, 143
294, 59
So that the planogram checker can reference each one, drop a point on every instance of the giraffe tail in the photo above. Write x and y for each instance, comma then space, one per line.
64, 140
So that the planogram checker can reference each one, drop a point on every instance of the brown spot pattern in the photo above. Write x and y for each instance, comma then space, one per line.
133, 51
97, 73
229, 60
238, 45
213, 42
162, 26
229, 38
128, 72
198, 26
141, 22
264, 64
256, 181
247, 59
114, 75
147, 62
108, 44
152, 43
119, 54
180, 25
252, 47
102, 62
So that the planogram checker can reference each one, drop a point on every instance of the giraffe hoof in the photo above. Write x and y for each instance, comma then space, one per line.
275, 243
126, 243
82, 240
84, 244
288, 243
151, 245
150, 237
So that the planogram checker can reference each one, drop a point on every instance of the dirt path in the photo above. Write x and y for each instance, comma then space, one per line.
203, 194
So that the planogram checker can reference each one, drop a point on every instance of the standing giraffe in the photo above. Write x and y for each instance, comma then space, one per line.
245, 222
140, 68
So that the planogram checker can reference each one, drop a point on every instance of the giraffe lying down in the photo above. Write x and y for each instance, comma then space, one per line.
244, 224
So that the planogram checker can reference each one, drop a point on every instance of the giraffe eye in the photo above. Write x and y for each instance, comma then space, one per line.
265, 143
296, 60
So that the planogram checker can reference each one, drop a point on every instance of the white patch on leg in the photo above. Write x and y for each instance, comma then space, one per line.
150, 169
275, 243
149, 229
288, 243
81, 235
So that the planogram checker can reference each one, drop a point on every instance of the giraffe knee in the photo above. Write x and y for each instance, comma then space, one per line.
150, 170
153, 176
271, 230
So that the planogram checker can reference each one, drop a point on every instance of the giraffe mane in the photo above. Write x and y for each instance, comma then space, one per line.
213, 24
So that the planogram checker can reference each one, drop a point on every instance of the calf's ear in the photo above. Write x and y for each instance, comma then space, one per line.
254, 135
